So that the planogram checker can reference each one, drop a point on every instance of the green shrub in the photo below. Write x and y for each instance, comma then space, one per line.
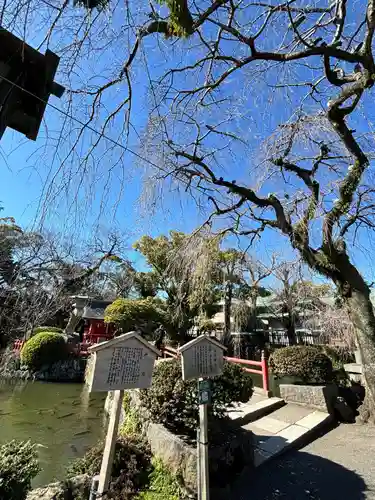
131, 314
163, 484
18, 466
41, 329
44, 348
52, 329
130, 471
304, 362
173, 402
206, 326
132, 424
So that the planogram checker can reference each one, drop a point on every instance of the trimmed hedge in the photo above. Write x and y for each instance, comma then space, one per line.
49, 329
40, 329
173, 402
304, 362
44, 348
18, 466
130, 314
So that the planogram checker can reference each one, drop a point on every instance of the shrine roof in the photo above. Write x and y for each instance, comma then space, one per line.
93, 313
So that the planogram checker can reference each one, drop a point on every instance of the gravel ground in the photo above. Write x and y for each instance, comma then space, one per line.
337, 466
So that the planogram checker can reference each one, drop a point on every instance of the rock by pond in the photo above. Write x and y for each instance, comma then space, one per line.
77, 487
69, 370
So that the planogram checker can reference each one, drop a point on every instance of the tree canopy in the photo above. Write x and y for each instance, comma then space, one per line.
39, 273
146, 315
258, 111
176, 274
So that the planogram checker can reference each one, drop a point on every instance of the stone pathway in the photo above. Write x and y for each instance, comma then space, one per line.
339, 465
277, 427
283, 429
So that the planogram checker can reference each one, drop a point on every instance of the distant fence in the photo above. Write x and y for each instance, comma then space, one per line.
303, 337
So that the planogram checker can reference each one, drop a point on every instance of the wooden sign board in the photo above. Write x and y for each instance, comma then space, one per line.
202, 357
125, 362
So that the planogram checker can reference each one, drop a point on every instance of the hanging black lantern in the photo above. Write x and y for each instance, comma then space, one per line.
26, 82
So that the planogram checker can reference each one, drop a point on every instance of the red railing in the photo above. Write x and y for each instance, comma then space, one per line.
169, 352
263, 364
18, 344
77, 349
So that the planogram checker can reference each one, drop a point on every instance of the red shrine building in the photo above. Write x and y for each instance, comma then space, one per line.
91, 311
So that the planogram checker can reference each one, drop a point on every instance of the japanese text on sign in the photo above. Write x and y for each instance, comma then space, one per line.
125, 365
125, 362
205, 359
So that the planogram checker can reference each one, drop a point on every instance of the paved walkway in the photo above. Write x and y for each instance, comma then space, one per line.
338, 466
282, 429
276, 426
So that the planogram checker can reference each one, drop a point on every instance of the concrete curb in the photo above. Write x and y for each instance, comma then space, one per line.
246, 413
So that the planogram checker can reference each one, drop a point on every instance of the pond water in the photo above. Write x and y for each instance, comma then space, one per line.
64, 419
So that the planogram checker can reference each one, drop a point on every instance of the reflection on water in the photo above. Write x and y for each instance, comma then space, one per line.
64, 419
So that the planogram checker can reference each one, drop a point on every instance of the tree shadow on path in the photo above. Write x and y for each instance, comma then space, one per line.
300, 476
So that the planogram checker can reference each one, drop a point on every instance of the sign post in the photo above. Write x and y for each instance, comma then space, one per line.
204, 399
110, 443
125, 362
202, 358
199, 487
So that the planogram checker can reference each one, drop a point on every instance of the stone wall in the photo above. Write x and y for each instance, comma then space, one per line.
179, 456
321, 397
69, 370
230, 450
108, 407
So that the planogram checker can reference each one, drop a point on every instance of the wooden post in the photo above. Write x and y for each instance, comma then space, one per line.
265, 372
203, 453
199, 475
202, 358
110, 443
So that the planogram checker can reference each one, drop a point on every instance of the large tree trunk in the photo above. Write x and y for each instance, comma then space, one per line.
291, 330
362, 315
228, 295
333, 262
253, 313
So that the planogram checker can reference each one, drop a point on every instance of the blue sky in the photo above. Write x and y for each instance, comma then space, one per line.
26, 170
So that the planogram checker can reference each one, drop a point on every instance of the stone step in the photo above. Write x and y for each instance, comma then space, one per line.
262, 392
285, 428
256, 408
355, 372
